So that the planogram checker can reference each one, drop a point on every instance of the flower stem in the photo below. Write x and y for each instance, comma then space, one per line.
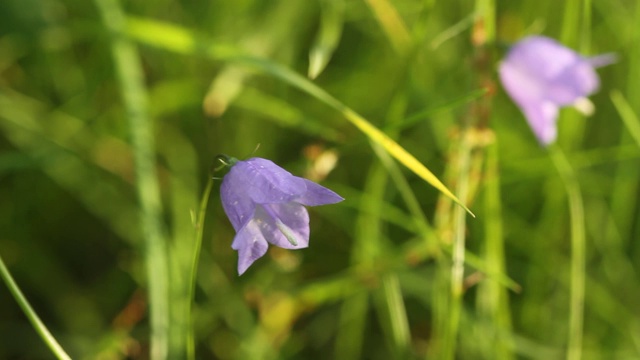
194, 267
38, 325
492, 299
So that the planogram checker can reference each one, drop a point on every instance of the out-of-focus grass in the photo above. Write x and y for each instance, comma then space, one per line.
377, 279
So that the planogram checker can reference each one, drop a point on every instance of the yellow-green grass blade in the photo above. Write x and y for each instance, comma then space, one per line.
174, 38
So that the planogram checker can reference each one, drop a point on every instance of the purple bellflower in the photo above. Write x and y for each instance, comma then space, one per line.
266, 204
541, 76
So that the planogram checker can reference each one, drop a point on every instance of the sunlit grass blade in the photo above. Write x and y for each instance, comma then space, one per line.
628, 116
175, 38
331, 21
34, 319
365, 126
131, 81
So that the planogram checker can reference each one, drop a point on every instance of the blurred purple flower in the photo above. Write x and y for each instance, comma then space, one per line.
541, 75
265, 204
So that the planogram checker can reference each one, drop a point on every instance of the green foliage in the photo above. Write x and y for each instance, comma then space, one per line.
111, 114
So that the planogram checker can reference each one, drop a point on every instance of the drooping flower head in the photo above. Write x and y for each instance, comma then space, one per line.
541, 75
266, 204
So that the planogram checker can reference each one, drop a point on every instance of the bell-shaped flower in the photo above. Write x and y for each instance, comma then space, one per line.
266, 204
541, 76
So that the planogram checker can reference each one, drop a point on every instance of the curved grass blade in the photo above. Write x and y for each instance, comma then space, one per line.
175, 38
38, 325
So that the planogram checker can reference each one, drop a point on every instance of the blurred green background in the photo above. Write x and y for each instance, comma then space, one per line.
111, 114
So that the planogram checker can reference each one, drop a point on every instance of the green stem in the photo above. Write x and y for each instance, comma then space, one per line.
457, 269
571, 23
486, 10
194, 266
578, 252
130, 76
492, 299
38, 325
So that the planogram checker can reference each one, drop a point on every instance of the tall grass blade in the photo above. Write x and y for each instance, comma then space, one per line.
130, 77
458, 260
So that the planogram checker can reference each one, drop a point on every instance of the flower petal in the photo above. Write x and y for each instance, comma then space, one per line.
318, 195
265, 182
602, 60
250, 244
282, 222
521, 85
542, 120
237, 205
576, 81
542, 57
541, 68
541, 75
